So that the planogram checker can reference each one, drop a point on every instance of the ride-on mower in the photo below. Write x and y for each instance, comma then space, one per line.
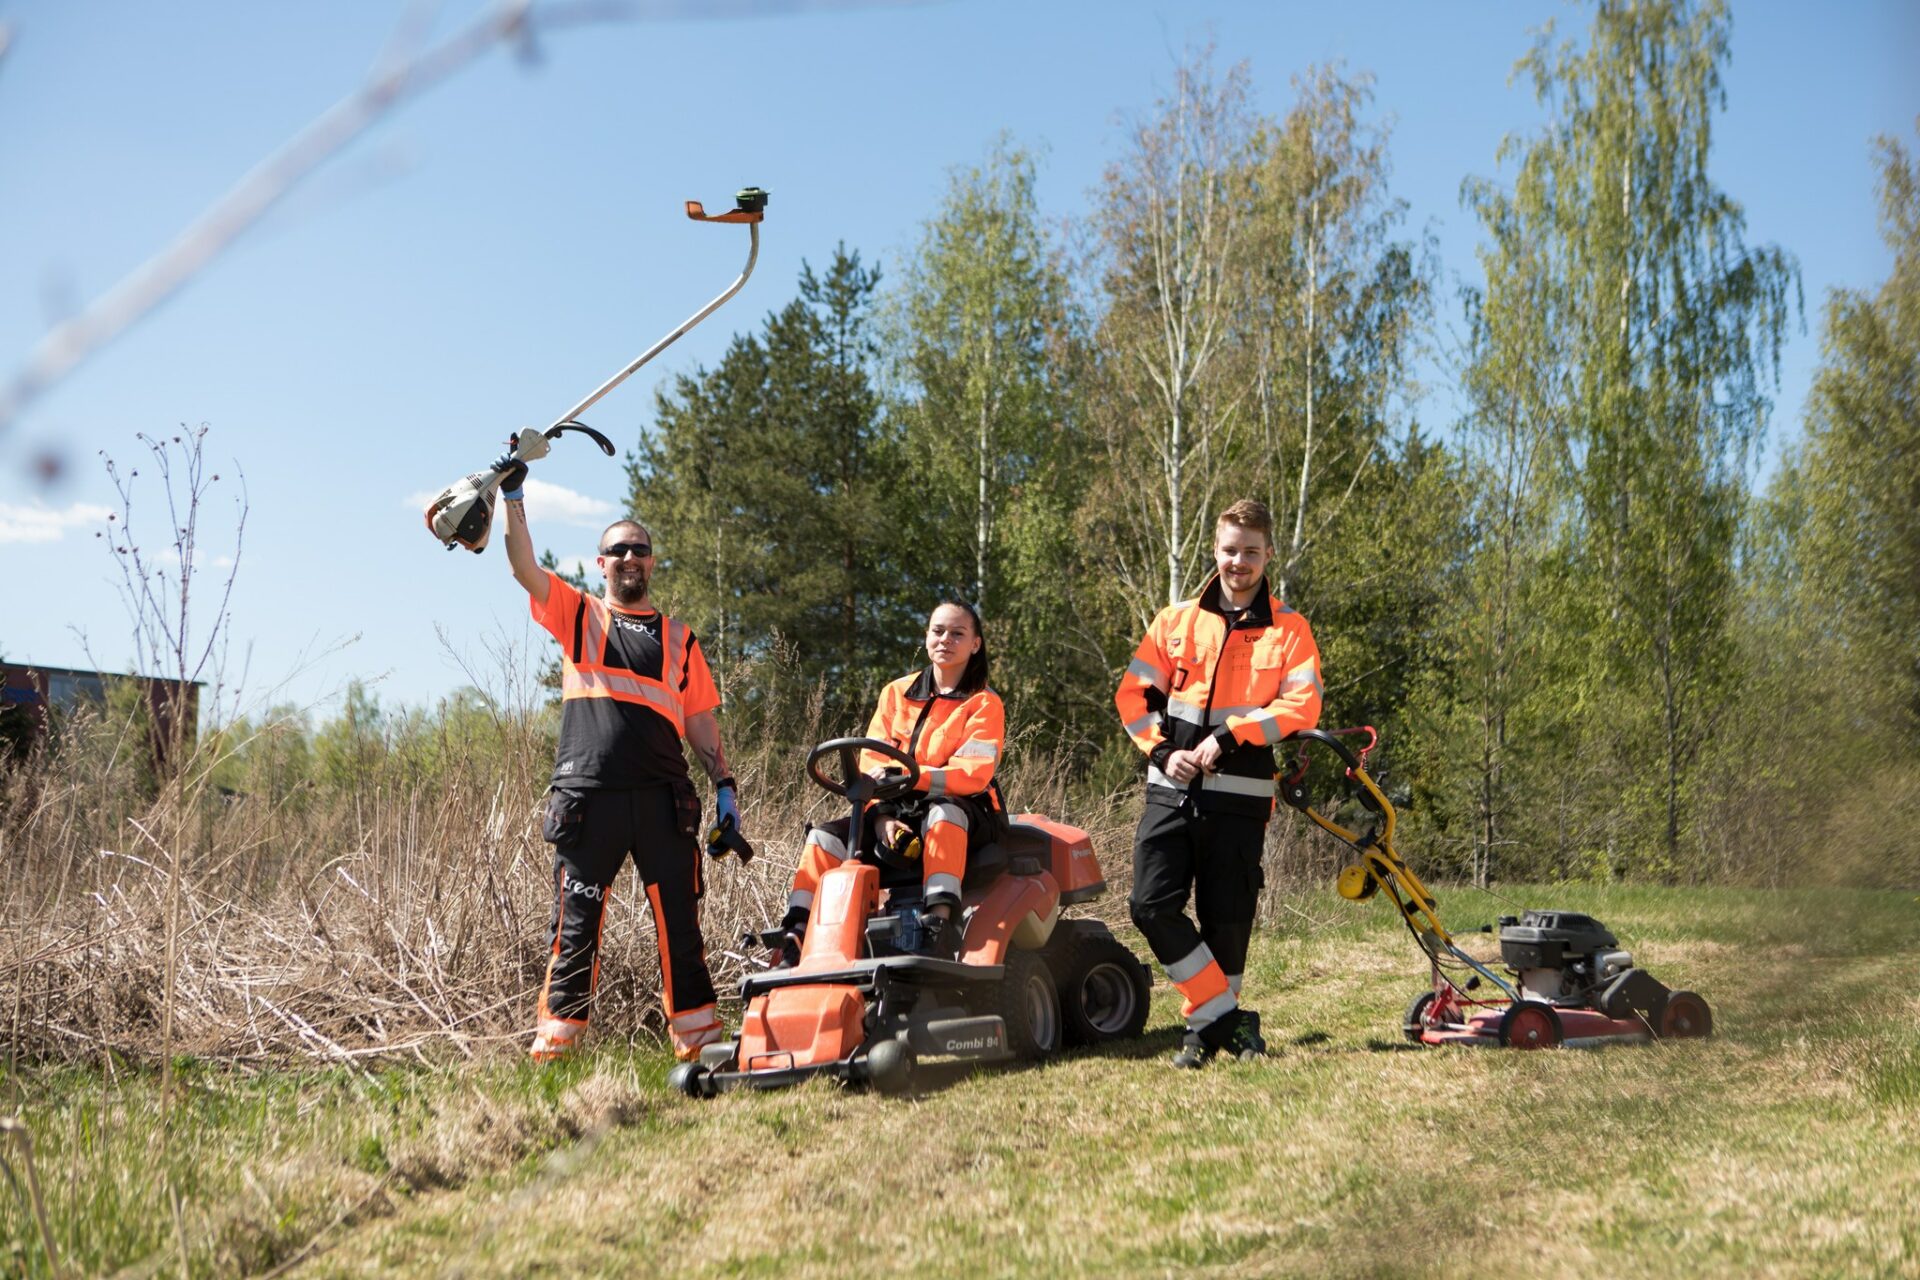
860, 1005
1569, 983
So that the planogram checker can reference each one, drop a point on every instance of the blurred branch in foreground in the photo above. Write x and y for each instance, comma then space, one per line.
400, 73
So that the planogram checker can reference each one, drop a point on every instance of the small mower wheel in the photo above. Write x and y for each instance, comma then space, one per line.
1530, 1024
1104, 989
890, 1067
689, 1078
1029, 1003
1415, 1021
1685, 1017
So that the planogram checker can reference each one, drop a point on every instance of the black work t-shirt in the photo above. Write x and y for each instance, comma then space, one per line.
610, 743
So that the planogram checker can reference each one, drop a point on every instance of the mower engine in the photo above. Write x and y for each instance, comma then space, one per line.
1571, 960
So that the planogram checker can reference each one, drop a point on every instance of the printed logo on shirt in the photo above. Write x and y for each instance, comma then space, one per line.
625, 623
565, 766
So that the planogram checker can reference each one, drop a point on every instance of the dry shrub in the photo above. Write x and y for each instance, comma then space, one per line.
397, 905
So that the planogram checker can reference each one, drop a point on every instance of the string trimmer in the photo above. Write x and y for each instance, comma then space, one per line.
463, 513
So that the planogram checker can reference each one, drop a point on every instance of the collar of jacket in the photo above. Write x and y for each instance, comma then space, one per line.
1259, 613
923, 689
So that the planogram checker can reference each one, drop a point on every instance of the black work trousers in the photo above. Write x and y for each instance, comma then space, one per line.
592, 832
1213, 856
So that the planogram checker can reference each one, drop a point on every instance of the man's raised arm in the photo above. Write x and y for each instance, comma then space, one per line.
526, 568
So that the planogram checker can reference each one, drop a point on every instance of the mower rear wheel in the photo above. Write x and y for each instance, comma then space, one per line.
1029, 1003
1530, 1024
1685, 1017
1104, 989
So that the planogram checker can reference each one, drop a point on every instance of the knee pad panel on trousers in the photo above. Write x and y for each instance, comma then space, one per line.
1168, 932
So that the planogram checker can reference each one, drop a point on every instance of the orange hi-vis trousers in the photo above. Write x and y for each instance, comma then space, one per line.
945, 834
601, 828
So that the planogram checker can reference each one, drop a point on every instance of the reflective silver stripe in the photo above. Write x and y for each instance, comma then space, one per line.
1222, 782
1301, 677
593, 643
674, 637
573, 680
1233, 983
1212, 1010
801, 898
936, 781
942, 885
1190, 965
830, 844
1186, 711
693, 1019
978, 747
1151, 674
1269, 725
1219, 714
1237, 786
948, 813
1137, 727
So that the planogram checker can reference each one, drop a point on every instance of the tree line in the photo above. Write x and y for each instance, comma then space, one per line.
1592, 646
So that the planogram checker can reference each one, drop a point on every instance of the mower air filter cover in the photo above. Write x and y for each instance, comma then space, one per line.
1545, 939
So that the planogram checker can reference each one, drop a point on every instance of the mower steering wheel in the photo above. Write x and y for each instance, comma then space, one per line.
847, 751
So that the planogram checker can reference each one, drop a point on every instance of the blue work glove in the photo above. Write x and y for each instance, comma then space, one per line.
516, 475
726, 806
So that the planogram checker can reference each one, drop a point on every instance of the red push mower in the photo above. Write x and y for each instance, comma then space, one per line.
862, 1006
1568, 981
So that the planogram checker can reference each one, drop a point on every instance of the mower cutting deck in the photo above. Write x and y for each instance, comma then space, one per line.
1567, 982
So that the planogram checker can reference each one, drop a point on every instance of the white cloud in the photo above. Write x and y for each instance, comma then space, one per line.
575, 564
38, 523
546, 503
555, 502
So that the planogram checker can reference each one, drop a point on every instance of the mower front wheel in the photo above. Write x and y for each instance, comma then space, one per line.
889, 1067
1029, 1003
689, 1078
1104, 990
1531, 1024
1685, 1017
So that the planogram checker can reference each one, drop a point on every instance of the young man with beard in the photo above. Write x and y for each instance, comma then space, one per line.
1217, 681
633, 684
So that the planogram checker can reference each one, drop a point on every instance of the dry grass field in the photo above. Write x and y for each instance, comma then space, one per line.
1782, 1146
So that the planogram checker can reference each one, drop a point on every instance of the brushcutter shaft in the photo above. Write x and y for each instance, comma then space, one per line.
753, 254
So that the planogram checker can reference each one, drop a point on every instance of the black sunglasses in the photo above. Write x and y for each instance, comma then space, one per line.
620, 550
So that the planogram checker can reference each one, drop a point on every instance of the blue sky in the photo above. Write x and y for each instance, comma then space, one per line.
498, 246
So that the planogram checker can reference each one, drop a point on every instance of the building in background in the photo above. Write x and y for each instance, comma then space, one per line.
30, 693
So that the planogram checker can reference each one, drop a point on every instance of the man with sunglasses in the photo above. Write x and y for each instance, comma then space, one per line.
633, 684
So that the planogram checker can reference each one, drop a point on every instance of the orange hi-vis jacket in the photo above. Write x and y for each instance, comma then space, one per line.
1248, 683
954, 737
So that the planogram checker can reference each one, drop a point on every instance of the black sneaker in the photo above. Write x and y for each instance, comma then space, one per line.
1193, 1053
1242, 1038
1236, 1034
939, 938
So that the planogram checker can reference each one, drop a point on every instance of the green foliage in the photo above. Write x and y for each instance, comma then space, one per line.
1621, 348
776, 489
981, 340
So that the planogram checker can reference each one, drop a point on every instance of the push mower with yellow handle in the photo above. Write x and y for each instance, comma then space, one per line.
1567, 982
